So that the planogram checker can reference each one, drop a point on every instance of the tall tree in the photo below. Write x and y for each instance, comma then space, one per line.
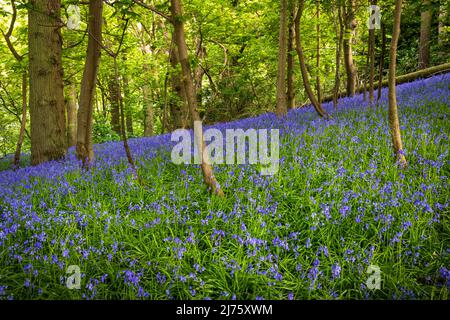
339, 26
301, 57
127, 102
350, 26
394, 125
372, 56
281, 79
291, 58
425, 35
383, 54
84, 148
148, 107
47, 111
318, 84
177, 20
114, 104
178, 104
71, 106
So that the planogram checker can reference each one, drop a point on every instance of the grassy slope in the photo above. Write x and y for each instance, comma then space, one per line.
338, 204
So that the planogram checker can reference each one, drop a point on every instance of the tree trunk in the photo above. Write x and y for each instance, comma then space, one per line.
339, 45
281, 79
148, 107
372, 59
199, 71
394, 125
366, 71
128, 111
115, 109
425, 35
177, 16
318, 85
291, 60
350, 26
47, 111
383, 54
23, 122
85, 151
178, 106
123, 131
72, 116
317, 105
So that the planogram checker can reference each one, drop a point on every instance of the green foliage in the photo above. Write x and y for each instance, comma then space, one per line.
102, 132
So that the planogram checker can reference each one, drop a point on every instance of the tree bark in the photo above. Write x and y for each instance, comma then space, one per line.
85, 151
318, 84
425, 35
301, 57
339, 45
148, 107
394, 125
281, 109
178, 106
177, 16
123, 131
47, 111
350, 26
127, 103
72, 116
383, 54
372, 59
291, 60
115, 108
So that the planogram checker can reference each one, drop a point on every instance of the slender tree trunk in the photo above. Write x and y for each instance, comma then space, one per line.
199, 71
72, 116
23, 121
350, 26
394, 124
128, 111
318, 84
148, 107
178, 105
281, 79
301, 57
291, 60
372, 59
177, 16
366, 71
115, 108
123, 131
47, 110
85, 151
339, 45
383, 54
425, 35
